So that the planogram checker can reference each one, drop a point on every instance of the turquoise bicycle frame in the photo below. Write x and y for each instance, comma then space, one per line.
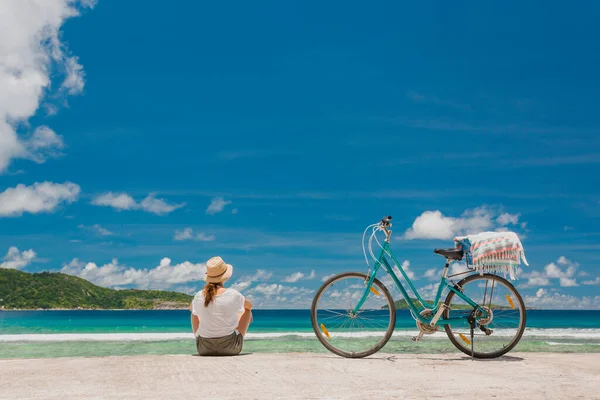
444, 283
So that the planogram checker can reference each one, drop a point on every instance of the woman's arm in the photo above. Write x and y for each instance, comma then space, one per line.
195, 321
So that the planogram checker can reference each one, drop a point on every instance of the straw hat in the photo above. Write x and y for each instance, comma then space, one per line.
217, 271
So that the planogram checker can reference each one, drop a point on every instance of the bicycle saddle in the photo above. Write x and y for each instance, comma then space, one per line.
451, 254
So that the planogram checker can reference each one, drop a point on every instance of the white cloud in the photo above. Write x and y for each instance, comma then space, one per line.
274, 295
260, 275
15, 259
188, 234
568, 282
113, 274
37, 198
564, 270
435, 225
387, 279
158, 206
268, 289
241, 285
217, 205
32, 55
537, 279
96, 228
123, 201
547, 300
562, 260
43, 144
406, 268
326, 277
428, 292
593, 282
508, 219
431, 273
119, 201
246, 281
295, 277
235, 211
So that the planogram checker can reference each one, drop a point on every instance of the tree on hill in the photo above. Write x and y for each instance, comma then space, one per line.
45, 290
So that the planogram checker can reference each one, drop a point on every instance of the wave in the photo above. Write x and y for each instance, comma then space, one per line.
571, 344
570, 333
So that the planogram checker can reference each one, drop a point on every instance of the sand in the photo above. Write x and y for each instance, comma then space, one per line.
304, 376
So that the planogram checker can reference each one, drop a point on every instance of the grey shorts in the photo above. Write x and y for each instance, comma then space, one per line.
229, 345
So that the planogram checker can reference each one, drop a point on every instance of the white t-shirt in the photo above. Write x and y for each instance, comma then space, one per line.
221, 317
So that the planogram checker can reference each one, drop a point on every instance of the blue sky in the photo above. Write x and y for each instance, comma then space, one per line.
301, 123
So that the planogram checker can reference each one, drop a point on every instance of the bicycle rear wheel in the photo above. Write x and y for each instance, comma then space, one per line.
501, 330
349, 334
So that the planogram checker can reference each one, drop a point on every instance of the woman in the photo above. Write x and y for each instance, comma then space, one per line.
220, 316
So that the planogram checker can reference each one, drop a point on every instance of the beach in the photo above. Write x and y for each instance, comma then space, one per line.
304, 376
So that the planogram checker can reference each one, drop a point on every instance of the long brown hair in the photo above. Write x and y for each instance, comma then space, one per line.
210, 291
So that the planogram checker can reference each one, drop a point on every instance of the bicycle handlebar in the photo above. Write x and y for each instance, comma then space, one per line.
386, 221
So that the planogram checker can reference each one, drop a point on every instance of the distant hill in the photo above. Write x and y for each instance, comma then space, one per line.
46, 290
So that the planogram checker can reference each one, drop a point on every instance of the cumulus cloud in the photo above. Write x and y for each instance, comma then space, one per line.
428, 292
389, 282
123, 201
435, 225
32, 56
115, 274
119, 201
188, 234
431, 273
508, 219
592, 282
555, 300
296, 276
269, 295
246, 281
406, 268
563, 270
217, 205
158, 206
37, 198
16, 259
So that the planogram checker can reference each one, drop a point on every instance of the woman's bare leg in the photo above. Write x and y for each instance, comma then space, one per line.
244, 322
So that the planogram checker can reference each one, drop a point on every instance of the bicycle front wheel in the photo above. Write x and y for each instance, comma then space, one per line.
495, 334
348, 333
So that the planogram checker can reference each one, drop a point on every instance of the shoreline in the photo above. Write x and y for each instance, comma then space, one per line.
532, 376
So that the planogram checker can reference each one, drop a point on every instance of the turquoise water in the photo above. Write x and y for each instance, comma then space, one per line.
96, 333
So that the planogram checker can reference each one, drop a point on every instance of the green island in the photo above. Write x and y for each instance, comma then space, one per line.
54, 290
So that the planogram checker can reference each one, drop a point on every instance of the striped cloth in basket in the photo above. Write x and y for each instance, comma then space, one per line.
493, 252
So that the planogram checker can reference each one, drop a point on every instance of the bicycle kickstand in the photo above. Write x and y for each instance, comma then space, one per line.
471, 321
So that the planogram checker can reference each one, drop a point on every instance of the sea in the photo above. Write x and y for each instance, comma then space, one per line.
46, 334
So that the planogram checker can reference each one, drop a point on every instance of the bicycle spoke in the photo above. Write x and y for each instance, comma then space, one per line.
345, 327
504, 316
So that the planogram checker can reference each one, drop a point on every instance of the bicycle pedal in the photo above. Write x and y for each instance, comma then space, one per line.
416, 339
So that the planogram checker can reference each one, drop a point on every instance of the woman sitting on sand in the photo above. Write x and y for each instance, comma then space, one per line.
220, 316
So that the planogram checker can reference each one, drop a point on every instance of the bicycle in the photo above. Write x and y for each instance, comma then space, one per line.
354, 315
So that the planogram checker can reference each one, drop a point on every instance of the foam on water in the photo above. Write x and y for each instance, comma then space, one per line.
568, 333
